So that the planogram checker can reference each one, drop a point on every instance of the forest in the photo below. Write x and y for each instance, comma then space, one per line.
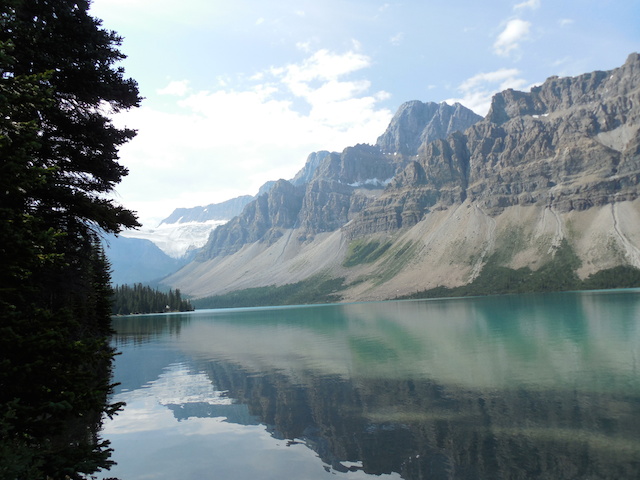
139, 298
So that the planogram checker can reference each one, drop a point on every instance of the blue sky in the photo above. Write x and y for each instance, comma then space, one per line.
240, 92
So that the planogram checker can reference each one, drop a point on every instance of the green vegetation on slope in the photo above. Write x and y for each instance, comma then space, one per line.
616, 277
396, 259
316, 289
361, 252
557, 275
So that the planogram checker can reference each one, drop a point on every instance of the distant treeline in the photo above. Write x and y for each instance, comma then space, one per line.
139, 298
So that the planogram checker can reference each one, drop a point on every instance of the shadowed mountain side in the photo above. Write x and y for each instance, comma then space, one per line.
135, 260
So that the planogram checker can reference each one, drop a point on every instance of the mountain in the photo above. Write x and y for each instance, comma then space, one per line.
311, 165
136, 260
332, 188
214, 211
417, 123
187, 229
548, 175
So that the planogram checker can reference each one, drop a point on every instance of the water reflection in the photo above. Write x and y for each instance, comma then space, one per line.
505, 387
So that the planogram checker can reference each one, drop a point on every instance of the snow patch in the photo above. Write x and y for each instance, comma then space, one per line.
176, 239
372, 182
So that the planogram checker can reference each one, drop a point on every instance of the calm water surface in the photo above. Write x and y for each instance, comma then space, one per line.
512, 387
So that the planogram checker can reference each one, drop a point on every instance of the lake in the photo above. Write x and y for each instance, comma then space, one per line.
510, 387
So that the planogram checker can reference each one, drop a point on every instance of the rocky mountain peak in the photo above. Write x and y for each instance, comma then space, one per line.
306, 173
570, 144
561, 93
416, 123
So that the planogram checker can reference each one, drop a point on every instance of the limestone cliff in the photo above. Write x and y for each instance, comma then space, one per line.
560, 163
263, 219
570, 144
337, 186
417, 123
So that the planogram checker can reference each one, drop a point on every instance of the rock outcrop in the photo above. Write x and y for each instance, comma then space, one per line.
311, 165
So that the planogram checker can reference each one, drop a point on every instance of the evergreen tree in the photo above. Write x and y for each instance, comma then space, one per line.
143, 299
58, 160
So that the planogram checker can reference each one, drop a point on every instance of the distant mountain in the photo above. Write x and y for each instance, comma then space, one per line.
136, 260
187, 229
548, 176
214, 211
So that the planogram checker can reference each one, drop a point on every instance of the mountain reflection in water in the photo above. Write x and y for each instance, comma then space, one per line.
535, 386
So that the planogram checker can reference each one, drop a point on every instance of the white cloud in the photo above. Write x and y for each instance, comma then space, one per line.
478, 90
177, 88
565, 21
323, 66
509, 40
532, 4
217, 144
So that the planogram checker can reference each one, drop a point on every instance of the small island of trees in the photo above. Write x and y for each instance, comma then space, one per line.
128, 300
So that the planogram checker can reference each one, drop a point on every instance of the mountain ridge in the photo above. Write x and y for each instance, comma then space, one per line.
339, 185
558, 164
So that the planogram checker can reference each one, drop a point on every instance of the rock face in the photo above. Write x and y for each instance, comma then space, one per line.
559, 163
342, 186
417, 123
311, 165
572, 143
337, 186
262, 219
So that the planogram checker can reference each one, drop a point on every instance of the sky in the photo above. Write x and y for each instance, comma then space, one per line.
237, 93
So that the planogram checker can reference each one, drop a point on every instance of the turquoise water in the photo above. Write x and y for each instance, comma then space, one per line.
510, 387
